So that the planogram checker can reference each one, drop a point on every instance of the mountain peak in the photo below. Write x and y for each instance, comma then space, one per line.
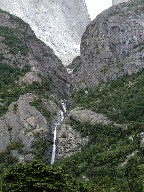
59, 24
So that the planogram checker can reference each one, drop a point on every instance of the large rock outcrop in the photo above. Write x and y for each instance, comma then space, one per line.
23, 123
112, 45
60, 24
69, 141
33, 82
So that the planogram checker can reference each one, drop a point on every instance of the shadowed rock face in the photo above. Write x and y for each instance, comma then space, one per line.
60, 24
115, 2
112, 45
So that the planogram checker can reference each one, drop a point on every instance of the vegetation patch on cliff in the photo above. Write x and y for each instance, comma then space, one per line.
10, 90
112, 160
122, 100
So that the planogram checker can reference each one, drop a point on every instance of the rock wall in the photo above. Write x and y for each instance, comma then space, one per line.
21, 124
69, 141
60, 23
115, 2
112, 45
19, 46
30, 99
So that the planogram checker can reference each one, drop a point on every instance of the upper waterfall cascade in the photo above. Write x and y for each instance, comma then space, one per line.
63, 104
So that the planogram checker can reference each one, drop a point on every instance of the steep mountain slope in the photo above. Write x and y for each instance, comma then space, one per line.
111, 117
60, 24
107, 101
112, 45
101, 140
33, 82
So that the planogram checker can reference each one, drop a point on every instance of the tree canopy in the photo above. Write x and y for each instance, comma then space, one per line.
38, 177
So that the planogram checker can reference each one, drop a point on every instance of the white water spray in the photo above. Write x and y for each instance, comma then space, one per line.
55, 130
69, 71
63, 103
54, 145
62, 116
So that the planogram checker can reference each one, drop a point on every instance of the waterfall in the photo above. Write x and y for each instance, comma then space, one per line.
54, 145
69, 71
62, 116
63, 104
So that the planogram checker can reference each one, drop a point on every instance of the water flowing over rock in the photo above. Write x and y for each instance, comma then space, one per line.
54, 144
63, 103
56, 125
60, 23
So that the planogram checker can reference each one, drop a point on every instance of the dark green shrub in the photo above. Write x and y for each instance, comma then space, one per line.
36, 177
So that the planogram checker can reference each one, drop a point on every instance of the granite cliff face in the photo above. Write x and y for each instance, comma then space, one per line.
112, 45
115, 2
60, 24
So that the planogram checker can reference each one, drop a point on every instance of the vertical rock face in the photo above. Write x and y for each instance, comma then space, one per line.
115, 2
112, 45
60, 23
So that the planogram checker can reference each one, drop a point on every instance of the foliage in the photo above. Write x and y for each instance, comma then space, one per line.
76, 64
10, 90
8, 87
36, 177
102, 158
38, 104
1, 57
122, 100
13, 41
40, 145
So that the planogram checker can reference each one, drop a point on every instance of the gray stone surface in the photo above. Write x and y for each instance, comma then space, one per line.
112, 45
21, 123
25, 124
88, 116
69, 141
115, 2
60, 23
39, 57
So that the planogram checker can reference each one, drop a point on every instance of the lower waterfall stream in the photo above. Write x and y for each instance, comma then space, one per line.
63, 104
54, 145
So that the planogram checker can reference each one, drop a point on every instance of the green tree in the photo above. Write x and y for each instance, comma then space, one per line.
38, 177
133, 174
